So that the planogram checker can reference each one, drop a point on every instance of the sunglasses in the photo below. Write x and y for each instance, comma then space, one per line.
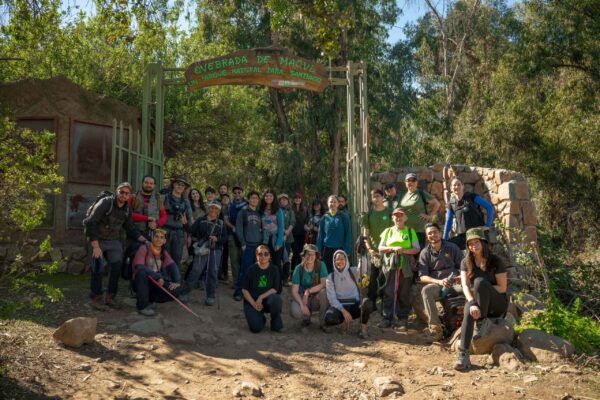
265, 254
411, 180
124, 192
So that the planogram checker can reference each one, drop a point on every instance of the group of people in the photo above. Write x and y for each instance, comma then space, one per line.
270, 242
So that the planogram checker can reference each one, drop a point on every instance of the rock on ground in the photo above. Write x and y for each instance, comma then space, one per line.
385, 385
500, 332
148, 326
248, 389
77, 331
543, 347
506, 356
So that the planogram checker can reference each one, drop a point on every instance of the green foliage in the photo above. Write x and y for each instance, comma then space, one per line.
565, 322
27, 174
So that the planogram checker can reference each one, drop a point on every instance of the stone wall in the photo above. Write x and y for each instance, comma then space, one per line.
508, 191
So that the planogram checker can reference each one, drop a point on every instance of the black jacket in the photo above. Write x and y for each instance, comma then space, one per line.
107, 221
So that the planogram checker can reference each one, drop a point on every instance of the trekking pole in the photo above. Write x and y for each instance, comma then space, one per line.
173, 297
395, 293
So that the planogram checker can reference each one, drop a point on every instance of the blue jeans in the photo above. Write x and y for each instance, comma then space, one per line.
175, 244
209, 263
257, 320
248, 258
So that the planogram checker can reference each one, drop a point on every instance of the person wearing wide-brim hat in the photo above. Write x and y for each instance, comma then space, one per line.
179, 216
484, 282
308, 284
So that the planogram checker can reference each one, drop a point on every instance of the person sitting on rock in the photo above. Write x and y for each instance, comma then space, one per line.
484, 282
439, 263
261, 289
154, 271
308, 282
343, 295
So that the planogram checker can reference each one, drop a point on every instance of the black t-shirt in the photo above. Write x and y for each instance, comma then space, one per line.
495, 266
258, 280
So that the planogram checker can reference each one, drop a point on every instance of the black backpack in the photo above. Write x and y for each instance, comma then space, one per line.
103, 194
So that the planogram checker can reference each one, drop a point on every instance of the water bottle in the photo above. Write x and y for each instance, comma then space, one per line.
449, 291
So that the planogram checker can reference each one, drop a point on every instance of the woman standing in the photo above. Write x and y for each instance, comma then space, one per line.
299, 231
261, 289
272, 226
398, 245
334, 233
312, 227
484, 281
420, 206
197, 203
466, 207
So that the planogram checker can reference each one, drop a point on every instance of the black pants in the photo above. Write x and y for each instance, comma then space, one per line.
297, 247
372, 292
257, 320
147, 292
277, 258
396, 299
224, 261
491, 304
327, 257
333, 316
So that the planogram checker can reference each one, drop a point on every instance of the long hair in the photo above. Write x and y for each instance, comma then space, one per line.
274, 204
314, 203
201, 200
470, 258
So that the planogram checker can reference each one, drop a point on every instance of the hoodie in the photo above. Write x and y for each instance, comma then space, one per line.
341, 286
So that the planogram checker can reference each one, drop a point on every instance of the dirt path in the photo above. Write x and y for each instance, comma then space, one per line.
210, 357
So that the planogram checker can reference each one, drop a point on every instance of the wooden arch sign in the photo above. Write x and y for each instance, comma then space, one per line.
275, 67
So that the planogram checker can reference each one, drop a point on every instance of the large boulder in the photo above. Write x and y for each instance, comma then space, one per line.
499, 332
543, 347
77, 331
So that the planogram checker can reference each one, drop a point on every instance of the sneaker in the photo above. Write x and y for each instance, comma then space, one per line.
463, 362
386, 323
363, 335
401, 325
237, 298
98, 304
436, 332
482, 327
184, 298
148, 312
112, 303
209, 301
326, 329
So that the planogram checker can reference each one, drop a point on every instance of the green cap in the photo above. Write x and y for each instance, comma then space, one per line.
475, 233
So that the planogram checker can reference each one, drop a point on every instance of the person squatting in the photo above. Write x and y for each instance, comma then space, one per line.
180, 242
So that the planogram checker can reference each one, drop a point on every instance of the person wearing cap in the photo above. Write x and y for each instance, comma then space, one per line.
154, 271
289, 220
439, 264
420, 206
299, 231
398, 246
392, 199
147, 208
484, 281
103, 227
261, 290
308, 284
334, 233
179, 217
237, 204
210, 236
466, 207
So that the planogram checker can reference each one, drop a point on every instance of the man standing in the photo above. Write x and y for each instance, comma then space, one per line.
223, 190
147, 208
103, 226
392, 200
235, 207
439, 263
154, 271
179, 217
289, 220
249, 233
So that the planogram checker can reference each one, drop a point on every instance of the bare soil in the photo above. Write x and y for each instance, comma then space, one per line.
209, 358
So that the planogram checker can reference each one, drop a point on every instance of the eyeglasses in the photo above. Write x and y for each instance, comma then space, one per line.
411, 180
124, 192
265, 254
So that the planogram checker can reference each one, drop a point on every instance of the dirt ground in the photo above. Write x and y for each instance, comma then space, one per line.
210, 357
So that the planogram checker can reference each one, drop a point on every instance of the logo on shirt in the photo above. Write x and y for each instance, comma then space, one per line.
262, 281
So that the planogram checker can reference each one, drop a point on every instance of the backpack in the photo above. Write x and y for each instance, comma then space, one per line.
137, 200
103, 194
452, 316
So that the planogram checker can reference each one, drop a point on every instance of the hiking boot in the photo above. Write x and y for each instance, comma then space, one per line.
112, 303
385, 323
463, 362
482, 327
98, 304
184, 298
237, 298
209, 301
401, 325
436, 332
148, 312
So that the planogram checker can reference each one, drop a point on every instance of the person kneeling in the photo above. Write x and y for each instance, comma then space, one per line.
261, 289
308, 282
343, 295
155, 272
